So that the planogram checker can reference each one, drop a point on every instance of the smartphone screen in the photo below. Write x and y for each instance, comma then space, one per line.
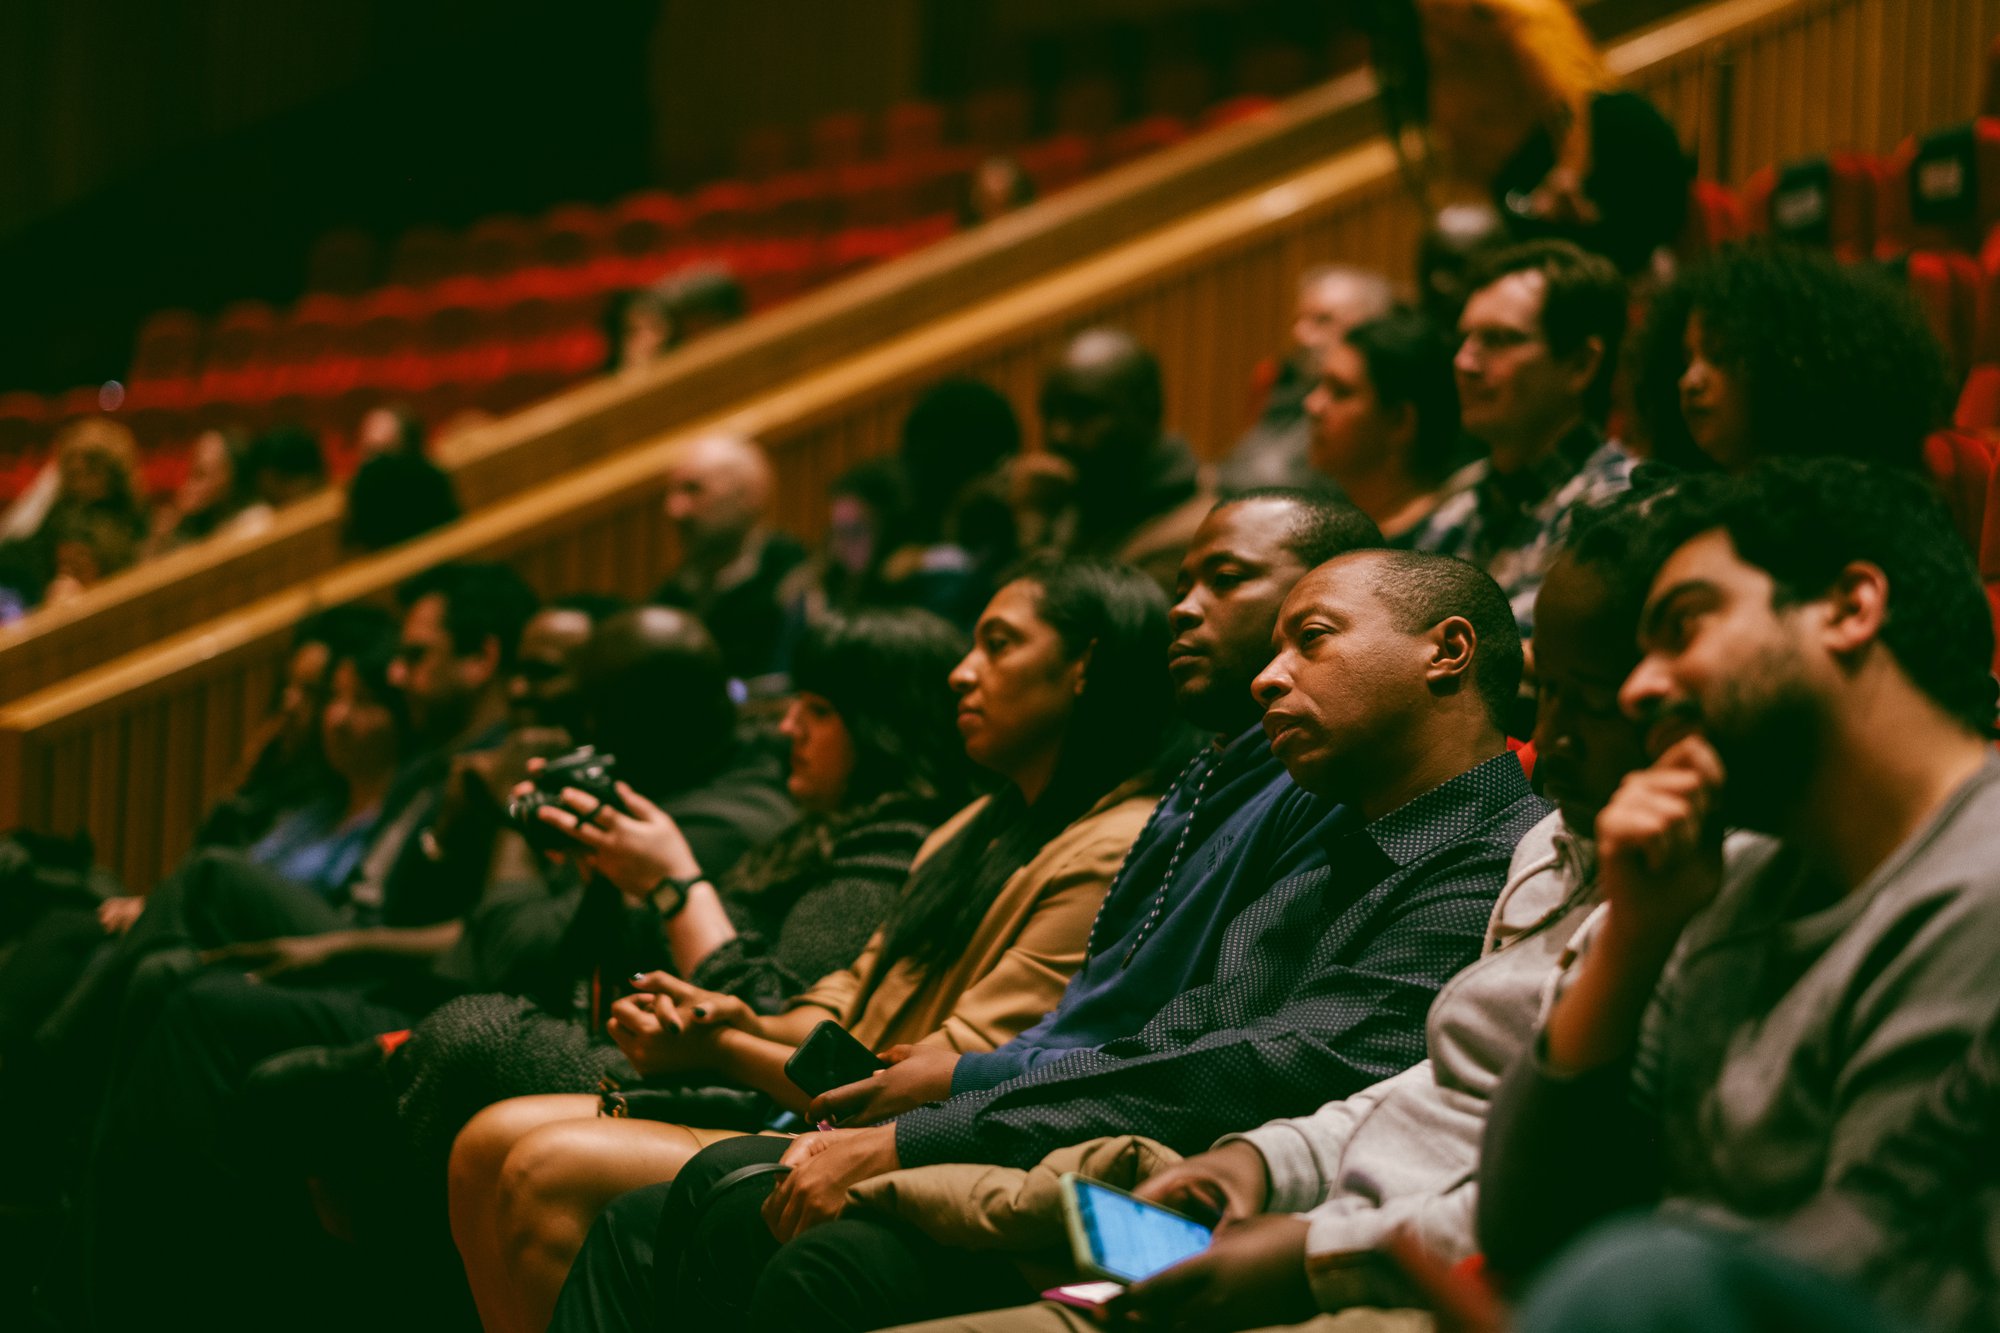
1131, 1239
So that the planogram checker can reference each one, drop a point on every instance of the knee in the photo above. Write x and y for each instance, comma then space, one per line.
718, 1160
807, 1279
539, 1207
481, 1147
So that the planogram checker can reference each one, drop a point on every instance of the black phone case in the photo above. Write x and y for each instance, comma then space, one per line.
829, 1058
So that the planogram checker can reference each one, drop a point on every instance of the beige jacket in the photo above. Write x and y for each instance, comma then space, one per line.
1025, 951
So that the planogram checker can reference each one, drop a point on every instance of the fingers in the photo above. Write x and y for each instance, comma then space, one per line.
640, 807
844, 1103
895, 1055
656, 982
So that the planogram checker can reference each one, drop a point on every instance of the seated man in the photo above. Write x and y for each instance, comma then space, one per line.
1117, 485
731, 561
1540, 337
1816, 650
1391, 673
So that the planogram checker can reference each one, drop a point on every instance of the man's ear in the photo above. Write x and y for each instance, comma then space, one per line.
1454, 645
1857, 607
1584, 363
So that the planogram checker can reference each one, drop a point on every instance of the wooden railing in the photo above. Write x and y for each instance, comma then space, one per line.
133, 750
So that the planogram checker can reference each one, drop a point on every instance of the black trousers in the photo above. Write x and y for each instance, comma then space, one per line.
181, 1231
715, 1266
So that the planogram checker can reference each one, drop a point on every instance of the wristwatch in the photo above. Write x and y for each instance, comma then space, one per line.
670, 895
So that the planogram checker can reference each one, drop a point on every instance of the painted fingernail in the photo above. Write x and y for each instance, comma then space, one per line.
701, 1011
637, 977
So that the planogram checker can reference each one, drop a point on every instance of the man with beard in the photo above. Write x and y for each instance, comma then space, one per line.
1815, 653
1121, 488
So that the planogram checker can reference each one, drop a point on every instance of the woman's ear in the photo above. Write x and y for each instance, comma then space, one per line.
1454, 646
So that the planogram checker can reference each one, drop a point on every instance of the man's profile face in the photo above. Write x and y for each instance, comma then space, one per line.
1508, 380
1231, 585
437, 683
1584, 650
1719, 658
709, 501
1344, 676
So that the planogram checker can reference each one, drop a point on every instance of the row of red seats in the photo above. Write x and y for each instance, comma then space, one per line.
787, 205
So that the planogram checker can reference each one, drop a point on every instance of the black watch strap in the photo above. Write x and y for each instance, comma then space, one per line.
670, 895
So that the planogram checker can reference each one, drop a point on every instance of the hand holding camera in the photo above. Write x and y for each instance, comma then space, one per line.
574, 806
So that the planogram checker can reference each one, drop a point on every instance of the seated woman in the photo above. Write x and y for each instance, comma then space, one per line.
1761, 352
1064, 697
1385, 420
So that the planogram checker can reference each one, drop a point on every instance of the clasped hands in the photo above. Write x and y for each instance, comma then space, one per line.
668, 1026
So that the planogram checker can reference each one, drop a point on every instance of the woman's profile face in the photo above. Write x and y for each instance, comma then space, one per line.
1017, 688
211, 475
1713, 404
1352, 435
822, 757
357, 729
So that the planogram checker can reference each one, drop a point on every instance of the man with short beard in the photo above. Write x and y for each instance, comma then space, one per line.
1815, 658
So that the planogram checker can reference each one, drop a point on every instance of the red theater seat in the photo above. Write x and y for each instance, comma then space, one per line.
838, 139
1949, 287
763, 151
996, 119
1237, 108
572, 236
499, 245
1825, 201
1142, 137
424, 255
1056, 162
342, 261
912, 129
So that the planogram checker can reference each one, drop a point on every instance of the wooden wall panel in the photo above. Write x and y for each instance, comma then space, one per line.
1207, 286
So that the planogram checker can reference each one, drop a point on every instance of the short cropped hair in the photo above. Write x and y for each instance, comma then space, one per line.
1320, 527
1585, 298
1802, 521
1424, 589
481, 601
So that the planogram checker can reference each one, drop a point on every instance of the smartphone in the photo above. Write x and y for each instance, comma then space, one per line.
830, 1058
1115, 1236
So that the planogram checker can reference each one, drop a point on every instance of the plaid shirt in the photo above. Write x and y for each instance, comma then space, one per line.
1319, 989
1512, 525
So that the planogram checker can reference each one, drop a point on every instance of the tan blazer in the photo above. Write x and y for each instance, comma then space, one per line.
1025, 951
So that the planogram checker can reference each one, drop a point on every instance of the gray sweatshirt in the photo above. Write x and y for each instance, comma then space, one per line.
1793, 1031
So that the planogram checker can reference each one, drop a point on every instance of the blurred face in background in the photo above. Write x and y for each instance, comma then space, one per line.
357, 729
302, 696
211, 475
715, 496
541, 688
88, 476
1713, 404
850, 534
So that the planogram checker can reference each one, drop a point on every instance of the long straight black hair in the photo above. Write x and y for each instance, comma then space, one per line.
1120, 729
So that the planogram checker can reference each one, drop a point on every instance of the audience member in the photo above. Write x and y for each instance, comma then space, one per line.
867, 509
1317, 985
1384, 421
731, 563
1113, 482
1331, 301
1522, 104
1541, 334
956, 443
543, 688
1774, 351
1815, 664
96, 517
1063, 697
286, 464
999, 185
1458, 238
215, 498
395, 497
393, 428
638, 329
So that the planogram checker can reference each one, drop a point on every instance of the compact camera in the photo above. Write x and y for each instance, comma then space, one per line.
584, 769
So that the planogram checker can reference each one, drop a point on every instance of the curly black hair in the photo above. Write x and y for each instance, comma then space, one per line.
1833, 360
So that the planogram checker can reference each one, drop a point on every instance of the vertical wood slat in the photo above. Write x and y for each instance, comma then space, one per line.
1210, 315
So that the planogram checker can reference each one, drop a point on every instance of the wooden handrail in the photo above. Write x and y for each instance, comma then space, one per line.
1209, 289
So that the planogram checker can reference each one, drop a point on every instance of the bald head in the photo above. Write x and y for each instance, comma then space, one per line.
1334, 299
718, 492
1102, 403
